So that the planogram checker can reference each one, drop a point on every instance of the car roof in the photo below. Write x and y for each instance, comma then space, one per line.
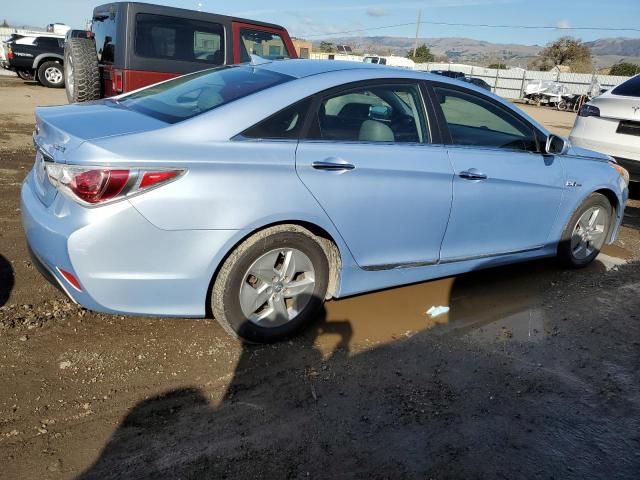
301, 68
182, 12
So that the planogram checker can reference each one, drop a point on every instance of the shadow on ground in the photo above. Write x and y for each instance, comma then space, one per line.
6, 280
418, 407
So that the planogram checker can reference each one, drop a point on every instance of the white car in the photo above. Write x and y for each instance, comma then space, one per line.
610, 124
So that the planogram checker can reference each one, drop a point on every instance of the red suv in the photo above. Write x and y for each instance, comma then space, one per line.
131, 45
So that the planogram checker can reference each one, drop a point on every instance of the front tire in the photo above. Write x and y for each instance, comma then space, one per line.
272, 285
51, 74
586, 232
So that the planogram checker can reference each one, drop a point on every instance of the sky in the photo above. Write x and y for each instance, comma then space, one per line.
320, 19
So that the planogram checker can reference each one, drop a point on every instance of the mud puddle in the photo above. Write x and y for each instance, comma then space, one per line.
494, 305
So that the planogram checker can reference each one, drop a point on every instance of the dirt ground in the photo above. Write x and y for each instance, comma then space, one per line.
532, 374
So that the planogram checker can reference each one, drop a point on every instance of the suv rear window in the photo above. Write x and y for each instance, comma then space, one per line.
159, 36
264, 44
190, 95
103, 27
630, 88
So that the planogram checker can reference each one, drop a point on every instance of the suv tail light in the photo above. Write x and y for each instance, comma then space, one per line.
587, 110
9, 53
100, 185
118, 82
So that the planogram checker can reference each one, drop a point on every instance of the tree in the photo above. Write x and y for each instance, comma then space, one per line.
5, 24
423, 54
327, 47
566, 51
498, 66
625, 69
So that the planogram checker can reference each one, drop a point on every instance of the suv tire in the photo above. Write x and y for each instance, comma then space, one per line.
51, 74
81, 70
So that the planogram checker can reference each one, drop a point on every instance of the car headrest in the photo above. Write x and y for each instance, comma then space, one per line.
373, 131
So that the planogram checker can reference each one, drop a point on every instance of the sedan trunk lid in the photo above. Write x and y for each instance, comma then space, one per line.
60, 130
617, 106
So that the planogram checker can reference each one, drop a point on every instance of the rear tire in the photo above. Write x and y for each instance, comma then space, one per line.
257, 298
26, 75
81, 70
51, 74
586, 232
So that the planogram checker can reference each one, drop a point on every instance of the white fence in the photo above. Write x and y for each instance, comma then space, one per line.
507, 83
510, 83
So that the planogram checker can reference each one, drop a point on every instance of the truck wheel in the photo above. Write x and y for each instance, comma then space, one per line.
81, 72
26, 75
51, 74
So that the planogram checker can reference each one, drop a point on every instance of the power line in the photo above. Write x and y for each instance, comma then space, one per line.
483, 25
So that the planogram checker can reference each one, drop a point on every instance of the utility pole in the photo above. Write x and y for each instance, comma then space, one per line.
415, 45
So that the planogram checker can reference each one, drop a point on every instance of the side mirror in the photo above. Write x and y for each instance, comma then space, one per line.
556, 145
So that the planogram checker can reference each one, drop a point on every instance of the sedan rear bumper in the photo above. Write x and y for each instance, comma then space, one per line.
123, 263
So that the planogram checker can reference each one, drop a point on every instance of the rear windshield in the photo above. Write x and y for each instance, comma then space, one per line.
190, 95
630, 88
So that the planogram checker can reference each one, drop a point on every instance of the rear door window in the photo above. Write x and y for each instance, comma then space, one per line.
171, 38
263, 44
381, 113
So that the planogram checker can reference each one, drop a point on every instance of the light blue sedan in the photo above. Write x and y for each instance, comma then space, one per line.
255, 192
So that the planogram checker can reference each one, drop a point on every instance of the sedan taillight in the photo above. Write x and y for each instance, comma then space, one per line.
587, 110
100, 185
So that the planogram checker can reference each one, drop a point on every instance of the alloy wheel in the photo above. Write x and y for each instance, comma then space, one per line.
277, 287
53, 75
589, 233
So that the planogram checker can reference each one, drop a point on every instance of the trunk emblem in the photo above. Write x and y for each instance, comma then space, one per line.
636, 108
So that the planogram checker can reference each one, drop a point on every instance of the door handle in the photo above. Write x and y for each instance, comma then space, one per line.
472, 174
333, 165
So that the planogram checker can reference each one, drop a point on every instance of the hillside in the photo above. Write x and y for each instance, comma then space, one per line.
606, 51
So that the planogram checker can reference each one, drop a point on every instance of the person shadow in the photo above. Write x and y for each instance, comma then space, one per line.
179, 434
7, 280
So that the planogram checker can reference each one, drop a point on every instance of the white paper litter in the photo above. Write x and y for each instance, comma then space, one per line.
434, 311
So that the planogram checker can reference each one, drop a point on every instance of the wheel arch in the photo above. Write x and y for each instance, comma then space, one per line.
613, 199
327, 240
45, 57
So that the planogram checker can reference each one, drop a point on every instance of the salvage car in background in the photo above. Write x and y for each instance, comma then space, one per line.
610, 124
37, 56
260, 190
131, 45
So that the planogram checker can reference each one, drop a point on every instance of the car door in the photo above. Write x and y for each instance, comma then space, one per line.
506, 192
369, 162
